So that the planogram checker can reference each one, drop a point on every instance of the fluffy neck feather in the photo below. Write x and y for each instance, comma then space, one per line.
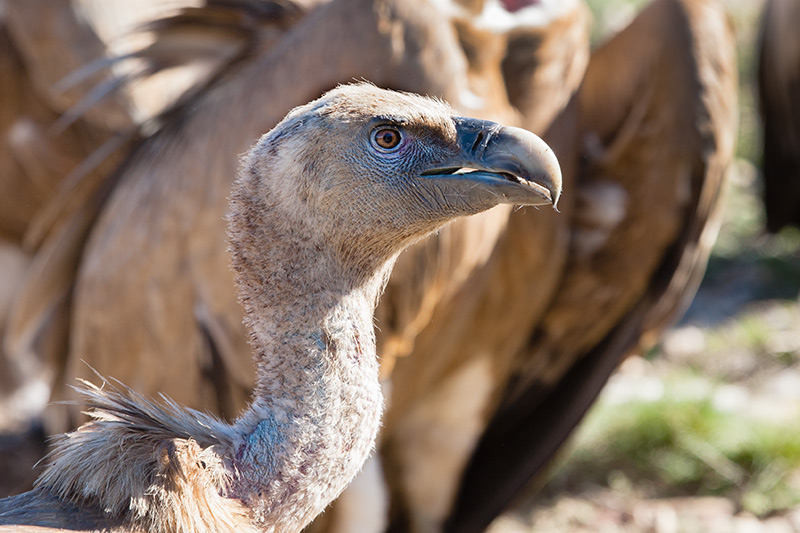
317, 404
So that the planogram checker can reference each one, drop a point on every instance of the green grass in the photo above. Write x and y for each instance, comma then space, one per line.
751, 332
675, 447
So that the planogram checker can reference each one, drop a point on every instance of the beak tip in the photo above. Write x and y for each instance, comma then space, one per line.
545, 161
554, 182
556, 178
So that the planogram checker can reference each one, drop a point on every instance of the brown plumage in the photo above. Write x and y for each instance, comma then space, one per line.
322, 207
40, 318
50, 170
778, 87
38, 151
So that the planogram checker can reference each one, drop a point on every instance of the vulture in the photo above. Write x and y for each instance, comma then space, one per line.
494, 334
322, 206
778, 87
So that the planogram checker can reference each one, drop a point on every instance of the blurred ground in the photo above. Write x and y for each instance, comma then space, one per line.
703, 434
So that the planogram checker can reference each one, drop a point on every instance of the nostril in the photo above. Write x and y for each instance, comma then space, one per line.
478, 140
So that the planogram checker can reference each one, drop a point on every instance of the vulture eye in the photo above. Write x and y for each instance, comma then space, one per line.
386, 138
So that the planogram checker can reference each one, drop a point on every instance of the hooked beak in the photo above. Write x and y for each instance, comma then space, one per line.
501, 164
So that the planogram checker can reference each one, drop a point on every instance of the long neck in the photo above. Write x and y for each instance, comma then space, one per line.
317, 402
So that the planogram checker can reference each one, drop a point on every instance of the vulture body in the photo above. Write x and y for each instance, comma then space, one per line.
485, 332
323, 205
778, 87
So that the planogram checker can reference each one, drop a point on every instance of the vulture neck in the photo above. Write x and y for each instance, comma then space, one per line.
317, 401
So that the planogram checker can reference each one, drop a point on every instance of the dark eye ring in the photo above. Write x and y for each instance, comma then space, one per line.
387, 138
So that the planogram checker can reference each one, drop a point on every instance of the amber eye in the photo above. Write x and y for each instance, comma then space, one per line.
387, 138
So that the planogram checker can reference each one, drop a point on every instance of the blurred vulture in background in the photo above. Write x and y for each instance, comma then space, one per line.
496, 334
656, 132
779, 91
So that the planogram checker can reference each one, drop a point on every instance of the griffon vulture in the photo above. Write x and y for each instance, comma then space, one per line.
323, 205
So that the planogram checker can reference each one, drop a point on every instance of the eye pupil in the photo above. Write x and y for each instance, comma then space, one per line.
387, 138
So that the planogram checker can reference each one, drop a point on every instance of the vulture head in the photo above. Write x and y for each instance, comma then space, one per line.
370, 170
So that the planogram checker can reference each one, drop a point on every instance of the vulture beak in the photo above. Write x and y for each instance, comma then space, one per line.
510, 165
